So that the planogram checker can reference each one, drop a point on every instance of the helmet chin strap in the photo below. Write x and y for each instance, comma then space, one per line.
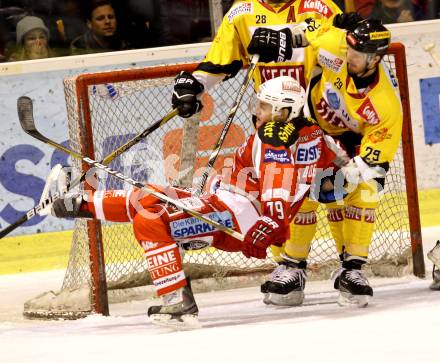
279, 113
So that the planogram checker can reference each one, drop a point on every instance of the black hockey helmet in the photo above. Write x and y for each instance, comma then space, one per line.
369, 36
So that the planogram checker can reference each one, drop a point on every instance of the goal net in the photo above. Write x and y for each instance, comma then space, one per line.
106, 109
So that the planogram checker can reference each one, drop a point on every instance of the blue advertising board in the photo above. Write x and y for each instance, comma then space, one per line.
430, 96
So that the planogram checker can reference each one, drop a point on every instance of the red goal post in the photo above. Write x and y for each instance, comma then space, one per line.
106, 108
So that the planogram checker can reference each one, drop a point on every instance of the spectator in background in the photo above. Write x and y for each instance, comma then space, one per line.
184, 21
9, 17
102, 35
395, 11
32, 40
138, 22
66, 23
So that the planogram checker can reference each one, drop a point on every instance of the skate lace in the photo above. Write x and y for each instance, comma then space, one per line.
356, 277
277, 272
291, 274
172, 298
336, 273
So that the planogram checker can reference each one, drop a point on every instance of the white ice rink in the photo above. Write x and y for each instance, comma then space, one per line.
401, 324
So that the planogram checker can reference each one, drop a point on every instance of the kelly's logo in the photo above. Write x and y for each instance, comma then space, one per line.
315, 6
368, 112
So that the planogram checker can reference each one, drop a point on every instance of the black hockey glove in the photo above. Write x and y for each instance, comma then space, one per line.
271, 45
186, 89
70, 207
347, 21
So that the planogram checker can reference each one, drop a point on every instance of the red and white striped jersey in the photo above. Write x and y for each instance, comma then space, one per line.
272, 173
275, 167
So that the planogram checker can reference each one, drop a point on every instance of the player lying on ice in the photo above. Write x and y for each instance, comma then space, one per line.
258, 197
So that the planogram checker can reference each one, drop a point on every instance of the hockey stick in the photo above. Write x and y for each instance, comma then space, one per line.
27, 123
231, 115
24, 106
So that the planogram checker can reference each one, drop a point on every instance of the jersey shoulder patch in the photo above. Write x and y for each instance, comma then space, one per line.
278, 133
239, 8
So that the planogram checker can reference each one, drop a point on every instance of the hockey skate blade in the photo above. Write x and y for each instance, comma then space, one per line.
347, 299
435, 285
187, 322
266, 298
293, 298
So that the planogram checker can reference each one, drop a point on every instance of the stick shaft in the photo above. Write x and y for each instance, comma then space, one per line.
28, 125
163, 197
231, 115
109, 158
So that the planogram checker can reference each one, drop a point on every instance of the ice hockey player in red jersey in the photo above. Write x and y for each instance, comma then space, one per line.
258, 197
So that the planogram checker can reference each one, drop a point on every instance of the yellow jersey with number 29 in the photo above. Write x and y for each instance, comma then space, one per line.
338, 106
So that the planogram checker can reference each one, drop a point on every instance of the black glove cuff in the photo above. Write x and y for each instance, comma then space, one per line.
347, 21
186, 81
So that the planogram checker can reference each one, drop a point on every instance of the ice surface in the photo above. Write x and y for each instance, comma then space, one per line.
401, 324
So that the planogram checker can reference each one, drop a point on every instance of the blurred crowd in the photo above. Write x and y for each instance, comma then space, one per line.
35, 29
398, 11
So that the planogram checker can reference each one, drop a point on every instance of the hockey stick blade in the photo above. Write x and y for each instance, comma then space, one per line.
228, 123
25, 114
32, 131
26, 118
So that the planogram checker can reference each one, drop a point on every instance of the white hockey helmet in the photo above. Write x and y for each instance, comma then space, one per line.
283, 92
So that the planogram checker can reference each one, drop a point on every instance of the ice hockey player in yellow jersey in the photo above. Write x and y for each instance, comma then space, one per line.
355, 99
253, 27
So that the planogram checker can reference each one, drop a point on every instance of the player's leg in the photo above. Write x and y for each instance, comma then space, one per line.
357, 231
335, 218
165, 233
285, 285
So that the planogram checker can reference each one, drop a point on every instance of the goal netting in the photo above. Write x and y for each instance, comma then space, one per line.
106, 109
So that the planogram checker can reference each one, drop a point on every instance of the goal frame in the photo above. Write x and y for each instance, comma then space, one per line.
99, 296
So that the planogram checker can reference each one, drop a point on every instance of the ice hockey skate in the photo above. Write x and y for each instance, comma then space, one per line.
434, 256
275, 273
179, 310
286, 284
354, 288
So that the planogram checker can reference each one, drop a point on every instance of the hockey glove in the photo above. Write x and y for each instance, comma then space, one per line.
186, 90
262, 234
299, 35
271, 45
347, 21
357, 171
70, 207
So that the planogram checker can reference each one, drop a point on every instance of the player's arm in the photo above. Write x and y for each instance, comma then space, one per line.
378, 148
224, 59
311, 30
